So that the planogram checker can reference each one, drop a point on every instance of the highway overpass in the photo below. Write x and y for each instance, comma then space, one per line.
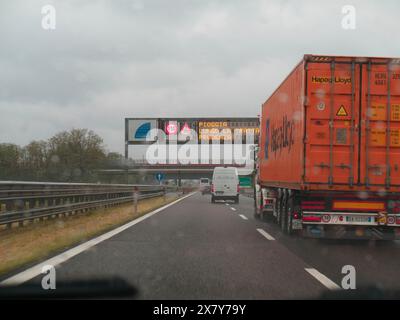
172, 171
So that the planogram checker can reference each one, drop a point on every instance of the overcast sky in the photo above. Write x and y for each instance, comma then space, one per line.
107, 60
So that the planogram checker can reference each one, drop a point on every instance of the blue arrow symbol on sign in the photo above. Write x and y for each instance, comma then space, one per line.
159, 176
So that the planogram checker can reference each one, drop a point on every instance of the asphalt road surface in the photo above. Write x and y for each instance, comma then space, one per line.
198, 250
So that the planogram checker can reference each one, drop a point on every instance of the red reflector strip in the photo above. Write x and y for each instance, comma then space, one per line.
311, 207
312, 219
312, 202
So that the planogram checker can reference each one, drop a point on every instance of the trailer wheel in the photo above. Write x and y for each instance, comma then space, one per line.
283, 213
257, 200
289, 225
278, 209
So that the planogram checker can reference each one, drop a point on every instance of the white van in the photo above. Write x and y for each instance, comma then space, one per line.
225, 184
205, 185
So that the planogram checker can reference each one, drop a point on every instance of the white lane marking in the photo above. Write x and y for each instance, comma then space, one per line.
266, 234
233, 209
227, 204
323, 279
243, 217
36, 270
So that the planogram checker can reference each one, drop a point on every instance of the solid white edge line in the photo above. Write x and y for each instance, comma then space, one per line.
266, 234
36, 270
328, 283
243, 217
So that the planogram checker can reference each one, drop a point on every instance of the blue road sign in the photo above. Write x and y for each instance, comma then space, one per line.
159, 176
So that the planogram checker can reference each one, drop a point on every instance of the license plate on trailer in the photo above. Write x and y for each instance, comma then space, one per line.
219, 192
360, 219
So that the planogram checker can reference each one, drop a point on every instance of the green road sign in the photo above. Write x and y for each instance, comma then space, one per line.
245, 181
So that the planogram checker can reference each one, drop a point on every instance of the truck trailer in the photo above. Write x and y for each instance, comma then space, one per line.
328, 162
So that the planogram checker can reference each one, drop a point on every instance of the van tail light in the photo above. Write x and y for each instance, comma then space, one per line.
238, 188
212, 188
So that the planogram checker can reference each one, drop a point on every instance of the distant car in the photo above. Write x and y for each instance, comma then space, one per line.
225, 184
205, 186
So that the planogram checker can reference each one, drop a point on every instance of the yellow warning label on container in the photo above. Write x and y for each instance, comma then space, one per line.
342, 112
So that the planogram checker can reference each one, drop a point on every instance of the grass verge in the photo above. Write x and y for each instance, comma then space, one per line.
36, 241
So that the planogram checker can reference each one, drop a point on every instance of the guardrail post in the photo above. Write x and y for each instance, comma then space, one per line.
135, 198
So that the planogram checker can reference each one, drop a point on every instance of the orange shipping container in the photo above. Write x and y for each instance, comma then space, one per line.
333, 124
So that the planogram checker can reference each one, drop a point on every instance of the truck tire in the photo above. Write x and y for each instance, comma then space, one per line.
289, 224
212, 199
256, 208
278, 210
283, 213
237, 199
257, 211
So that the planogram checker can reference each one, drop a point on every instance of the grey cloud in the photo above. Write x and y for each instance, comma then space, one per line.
113, 59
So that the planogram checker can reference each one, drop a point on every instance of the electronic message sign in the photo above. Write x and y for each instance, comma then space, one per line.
225, 130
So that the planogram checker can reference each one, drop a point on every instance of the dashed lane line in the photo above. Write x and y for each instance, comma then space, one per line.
328, 283
266, 234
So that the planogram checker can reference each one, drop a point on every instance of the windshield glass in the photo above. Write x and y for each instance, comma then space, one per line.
205, 149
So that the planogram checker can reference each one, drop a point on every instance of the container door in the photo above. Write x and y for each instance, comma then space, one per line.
380, 138
332, 122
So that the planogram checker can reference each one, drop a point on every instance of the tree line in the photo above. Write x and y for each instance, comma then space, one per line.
68, 156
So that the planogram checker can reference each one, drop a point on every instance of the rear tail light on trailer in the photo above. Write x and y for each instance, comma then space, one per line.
238, 188
396, 210
312, 219
212, 188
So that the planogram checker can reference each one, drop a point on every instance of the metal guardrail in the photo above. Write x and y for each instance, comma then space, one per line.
27, 201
